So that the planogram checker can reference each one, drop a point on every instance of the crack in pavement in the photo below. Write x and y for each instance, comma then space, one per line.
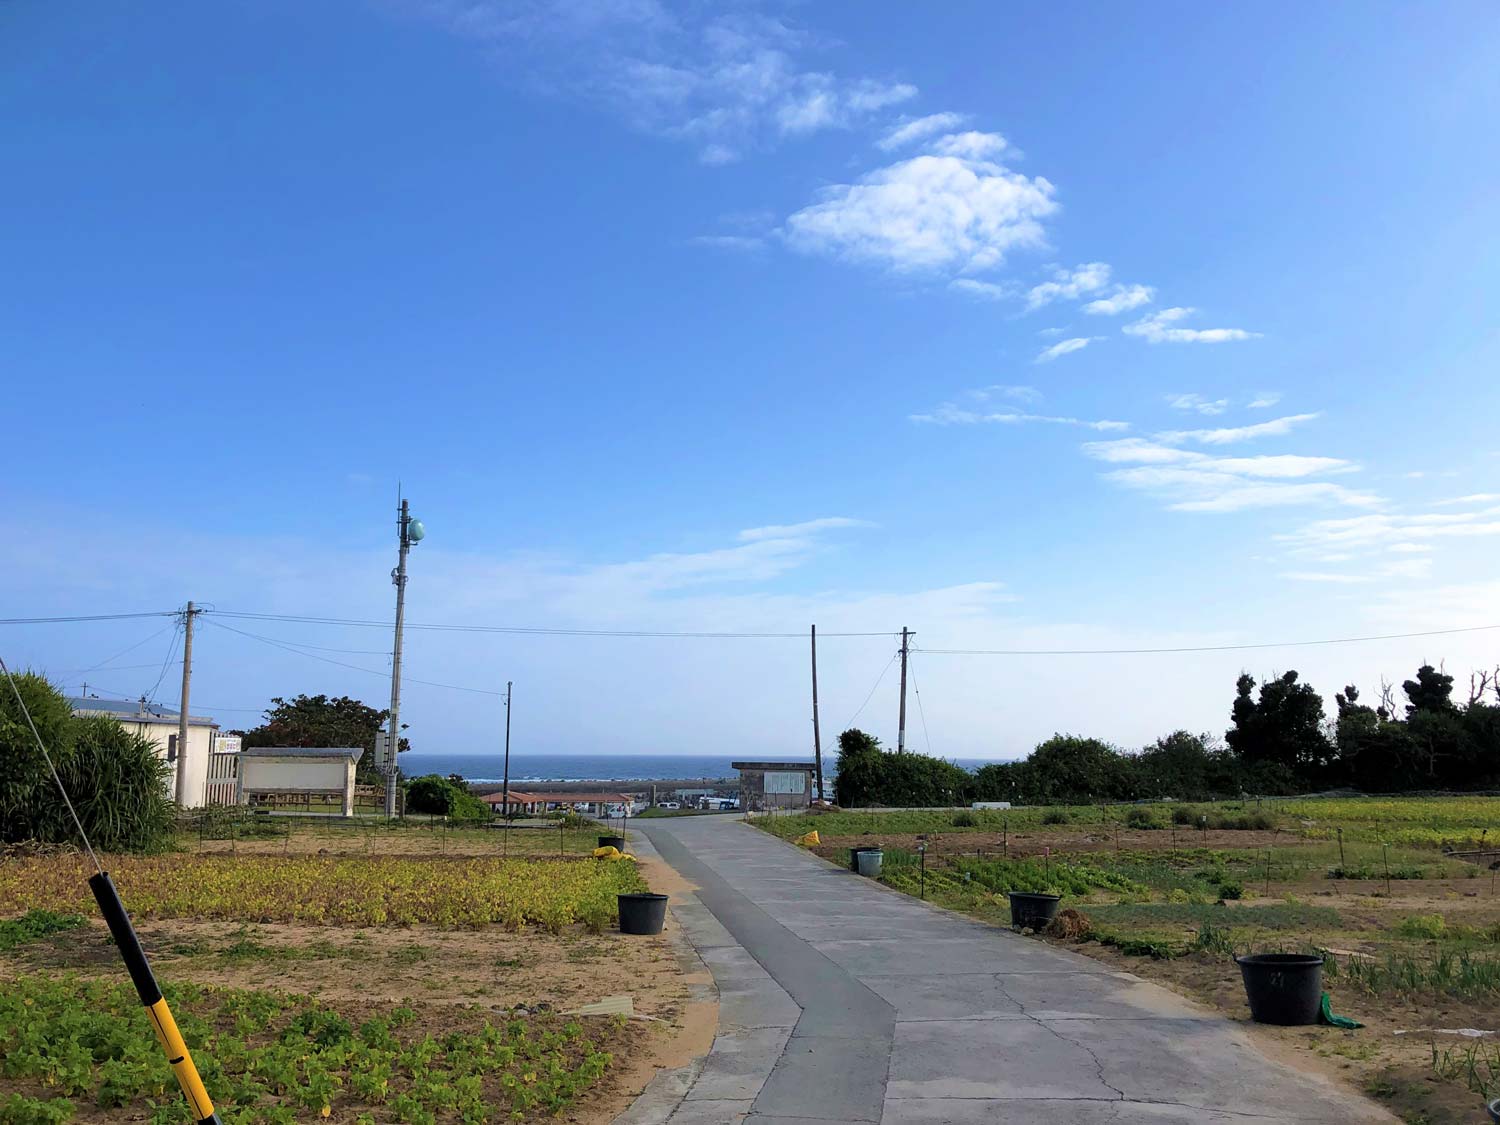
1085, 1048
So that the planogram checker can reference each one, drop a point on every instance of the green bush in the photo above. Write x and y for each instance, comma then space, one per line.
438, 796
1425, 927
1056, 816
116, 779
1143, 818
1230, 890
964, 820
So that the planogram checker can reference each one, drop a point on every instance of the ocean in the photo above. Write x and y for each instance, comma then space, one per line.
589, 767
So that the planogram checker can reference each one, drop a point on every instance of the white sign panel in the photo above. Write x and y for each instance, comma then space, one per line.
786, 781
227, 744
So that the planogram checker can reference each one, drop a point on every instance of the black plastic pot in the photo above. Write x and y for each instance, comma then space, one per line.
642, 913
1283, 988
612, 842
1494, 1108
1032, 911
854, 857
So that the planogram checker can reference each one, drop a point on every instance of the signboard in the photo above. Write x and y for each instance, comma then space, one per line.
382, 748
227, 744
786, 781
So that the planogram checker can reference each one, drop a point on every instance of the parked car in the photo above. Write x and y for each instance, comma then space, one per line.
668, 805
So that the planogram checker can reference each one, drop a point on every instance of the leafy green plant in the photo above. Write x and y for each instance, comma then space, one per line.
964, 819
36, 923
1430, 927
1056, 816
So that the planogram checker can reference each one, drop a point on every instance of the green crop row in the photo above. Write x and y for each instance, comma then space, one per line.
274, 1057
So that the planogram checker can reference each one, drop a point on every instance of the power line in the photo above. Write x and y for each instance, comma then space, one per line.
123, 651
171, 648
528, 630
917, 691
90, 617
344, 664
1198, 648
873, 690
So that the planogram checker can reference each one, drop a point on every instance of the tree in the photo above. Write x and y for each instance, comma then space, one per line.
444, 796
1431, 691
317, 720
1189, 767
1070, 770
1284, 727
29, 804
858, 780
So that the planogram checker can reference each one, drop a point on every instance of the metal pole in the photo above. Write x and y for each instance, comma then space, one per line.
398, 576
817, 739
182, 718
505, 784
901, 729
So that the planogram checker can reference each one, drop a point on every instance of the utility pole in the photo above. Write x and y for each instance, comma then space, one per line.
817, 739
182, 718
505, 783
408, 531
901, 728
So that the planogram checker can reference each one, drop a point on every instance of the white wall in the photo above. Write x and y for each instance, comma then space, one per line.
195, 761
292, 773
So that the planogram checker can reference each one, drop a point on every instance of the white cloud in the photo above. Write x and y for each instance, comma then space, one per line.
799, 530
1006, 390
1138, 450
1277, 427
1393, 531
1197, 403
1264, 399
1064, 347
971, 145
740, 242
909, 132
1325, 576
1472, 498
950, 415
988, 290
730, 83
926, 213
1123, 299
1050, 333
1069, 284
1158, 328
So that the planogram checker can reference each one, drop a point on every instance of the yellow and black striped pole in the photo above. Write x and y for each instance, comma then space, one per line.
156, 1005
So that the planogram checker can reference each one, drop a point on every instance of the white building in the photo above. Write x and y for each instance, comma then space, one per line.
160, 726
291, 775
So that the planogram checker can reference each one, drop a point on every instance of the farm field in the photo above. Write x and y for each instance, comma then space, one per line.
342, 983
1410, 934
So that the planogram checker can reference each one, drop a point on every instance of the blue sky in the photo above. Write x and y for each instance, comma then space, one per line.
1103, 326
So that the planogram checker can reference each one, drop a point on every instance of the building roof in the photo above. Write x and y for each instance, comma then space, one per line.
575, 798
128, 710
355, 752
808, 766
517, 797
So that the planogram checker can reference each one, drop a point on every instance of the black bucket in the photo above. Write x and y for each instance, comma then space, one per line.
642, 913
1494, 1108
612, 842
854, 857
1032, 911
1283, 988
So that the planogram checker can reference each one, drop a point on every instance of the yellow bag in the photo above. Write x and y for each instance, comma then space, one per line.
610, 852
809, 839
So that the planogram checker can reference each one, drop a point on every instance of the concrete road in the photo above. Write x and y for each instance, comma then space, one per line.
841, 1000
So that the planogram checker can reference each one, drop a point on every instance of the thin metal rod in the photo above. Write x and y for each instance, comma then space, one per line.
61, 788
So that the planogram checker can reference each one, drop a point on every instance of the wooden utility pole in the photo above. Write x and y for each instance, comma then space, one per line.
505, 783
901, 728
817, 738
182, 718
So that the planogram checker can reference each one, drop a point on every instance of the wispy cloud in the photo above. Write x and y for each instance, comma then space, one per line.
799, 530
1264, 399
1161, 328
931, 212
1010, 391
1069, 284
729, 83
1411, 533
1065, 347
1472, 498
985, 290
1276, 427
919, 129
950, 415
1196, 403
743, 243
971, 145
1123, 299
